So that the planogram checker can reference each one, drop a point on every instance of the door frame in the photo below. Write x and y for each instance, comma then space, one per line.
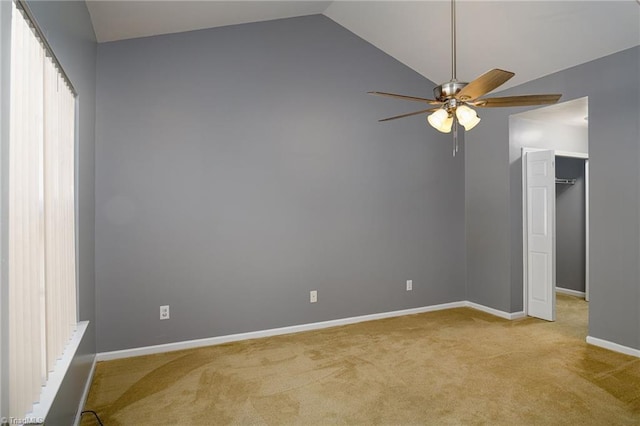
525, 246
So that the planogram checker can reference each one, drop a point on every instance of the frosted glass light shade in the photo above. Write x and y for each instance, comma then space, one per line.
467, 117
441, 121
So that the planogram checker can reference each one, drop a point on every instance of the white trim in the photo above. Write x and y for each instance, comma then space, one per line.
572, 154
211, 341
496, 312
50, 390
586, 229
613, 346
85, 393
570, 292
525, 241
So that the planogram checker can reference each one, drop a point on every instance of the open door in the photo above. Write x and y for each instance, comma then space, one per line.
541, 198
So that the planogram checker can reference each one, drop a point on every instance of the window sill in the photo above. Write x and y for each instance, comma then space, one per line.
51, 388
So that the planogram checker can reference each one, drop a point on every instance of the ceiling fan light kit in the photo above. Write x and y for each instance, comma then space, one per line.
454, 99
467, 117
441, 120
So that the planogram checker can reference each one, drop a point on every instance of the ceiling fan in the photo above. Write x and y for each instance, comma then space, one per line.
454, 99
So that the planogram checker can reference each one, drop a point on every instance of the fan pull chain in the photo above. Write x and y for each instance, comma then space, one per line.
455, 136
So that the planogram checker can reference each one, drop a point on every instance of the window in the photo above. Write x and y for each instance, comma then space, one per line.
41, 237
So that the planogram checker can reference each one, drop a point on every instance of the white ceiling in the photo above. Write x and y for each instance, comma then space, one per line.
531, 38
118, 19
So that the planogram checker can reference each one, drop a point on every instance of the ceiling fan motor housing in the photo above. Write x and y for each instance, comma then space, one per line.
448, 90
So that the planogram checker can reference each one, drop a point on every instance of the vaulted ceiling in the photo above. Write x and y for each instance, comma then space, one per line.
530, 38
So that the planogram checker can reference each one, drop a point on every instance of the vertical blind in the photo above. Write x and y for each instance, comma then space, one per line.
42, 272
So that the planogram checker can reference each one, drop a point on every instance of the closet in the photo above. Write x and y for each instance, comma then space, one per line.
570, 225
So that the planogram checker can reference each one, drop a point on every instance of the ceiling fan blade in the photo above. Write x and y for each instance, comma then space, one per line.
410, 114
407, 98
484, 84
511, 101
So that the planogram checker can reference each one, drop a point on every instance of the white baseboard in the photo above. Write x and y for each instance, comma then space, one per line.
210, 341
496, 312
570, 292
613, 346
85, 393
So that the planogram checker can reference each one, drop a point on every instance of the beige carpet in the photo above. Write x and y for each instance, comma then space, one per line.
459, 366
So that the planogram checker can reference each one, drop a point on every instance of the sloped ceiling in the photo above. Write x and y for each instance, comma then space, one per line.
123, 19
530, 38
570, 113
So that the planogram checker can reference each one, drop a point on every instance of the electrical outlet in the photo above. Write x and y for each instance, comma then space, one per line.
409, 285
164, 312
313, 296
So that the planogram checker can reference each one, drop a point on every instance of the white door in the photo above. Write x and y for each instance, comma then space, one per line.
541, 238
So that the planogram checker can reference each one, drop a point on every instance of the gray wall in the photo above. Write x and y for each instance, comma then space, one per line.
570, 225
238, 168
487, 213
69, 31
494, 217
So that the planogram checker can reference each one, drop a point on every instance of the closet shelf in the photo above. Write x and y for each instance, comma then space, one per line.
566, 181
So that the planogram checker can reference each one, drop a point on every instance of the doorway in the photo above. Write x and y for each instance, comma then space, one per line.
557, 136
555, 215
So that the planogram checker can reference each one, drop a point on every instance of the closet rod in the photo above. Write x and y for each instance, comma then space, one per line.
566, 181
